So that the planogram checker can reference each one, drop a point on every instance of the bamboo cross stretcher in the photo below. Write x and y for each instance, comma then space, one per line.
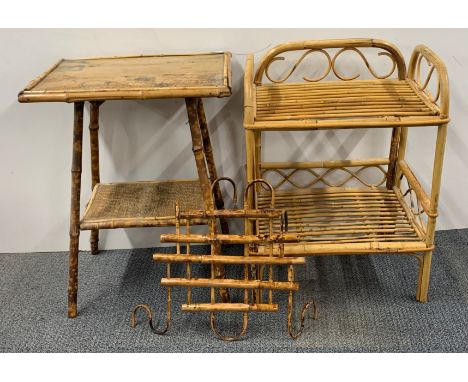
252, 281
336, 207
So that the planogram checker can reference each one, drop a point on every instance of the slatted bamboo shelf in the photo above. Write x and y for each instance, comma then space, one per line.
372, 220
335, 104
347, 206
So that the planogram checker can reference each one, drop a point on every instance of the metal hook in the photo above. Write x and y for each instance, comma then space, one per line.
217, 180
303, 314
262, 181
147, 309
214, 328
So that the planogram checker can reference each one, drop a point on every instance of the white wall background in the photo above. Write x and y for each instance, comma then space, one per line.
149, 139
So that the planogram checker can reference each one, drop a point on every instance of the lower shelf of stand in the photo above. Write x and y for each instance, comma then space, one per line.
345, 221
140, 204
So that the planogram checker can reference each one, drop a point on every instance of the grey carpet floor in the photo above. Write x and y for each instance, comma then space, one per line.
366, 304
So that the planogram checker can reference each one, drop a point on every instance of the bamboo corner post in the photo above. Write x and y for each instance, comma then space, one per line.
95, 178
337, 207
75, 208
144, 203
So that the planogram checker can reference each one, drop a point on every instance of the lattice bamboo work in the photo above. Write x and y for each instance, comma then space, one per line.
349, 206
253, 281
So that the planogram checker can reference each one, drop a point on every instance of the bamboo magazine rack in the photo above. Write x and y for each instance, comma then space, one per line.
333, 206
252, 280
134, 204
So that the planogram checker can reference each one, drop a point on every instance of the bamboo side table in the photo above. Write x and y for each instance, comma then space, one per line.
135, 204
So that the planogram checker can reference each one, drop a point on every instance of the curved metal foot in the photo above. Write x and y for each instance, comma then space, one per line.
147, 309
214, 328
303, 314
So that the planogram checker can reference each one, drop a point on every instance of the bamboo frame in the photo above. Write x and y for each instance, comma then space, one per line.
340, 219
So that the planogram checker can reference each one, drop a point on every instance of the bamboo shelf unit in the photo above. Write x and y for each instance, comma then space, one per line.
134, 204
332, 205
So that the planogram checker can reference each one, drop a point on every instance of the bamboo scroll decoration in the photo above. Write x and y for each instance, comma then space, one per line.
287, 176
436, 71
253, 282
331, 67
314, 47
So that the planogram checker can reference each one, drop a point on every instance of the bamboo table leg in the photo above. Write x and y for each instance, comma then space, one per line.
198, 152
210, 162
393, 157
75, 208
201, 163
94, 143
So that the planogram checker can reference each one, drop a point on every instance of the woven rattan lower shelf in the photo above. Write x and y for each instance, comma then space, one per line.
140, 204
367, 220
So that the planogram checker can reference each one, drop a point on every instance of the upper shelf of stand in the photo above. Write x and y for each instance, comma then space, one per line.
339, 97
133, 77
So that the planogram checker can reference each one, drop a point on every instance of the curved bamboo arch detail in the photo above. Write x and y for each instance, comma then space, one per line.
321, 177
313, 46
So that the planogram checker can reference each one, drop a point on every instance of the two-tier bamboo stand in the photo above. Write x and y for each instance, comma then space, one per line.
351, 214
135, 204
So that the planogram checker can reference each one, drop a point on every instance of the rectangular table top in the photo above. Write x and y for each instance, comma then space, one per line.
133, 77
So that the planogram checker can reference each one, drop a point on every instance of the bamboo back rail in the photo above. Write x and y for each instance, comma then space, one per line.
389, 50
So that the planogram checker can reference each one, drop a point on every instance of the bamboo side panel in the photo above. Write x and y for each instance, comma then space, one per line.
436, 71
133, 77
